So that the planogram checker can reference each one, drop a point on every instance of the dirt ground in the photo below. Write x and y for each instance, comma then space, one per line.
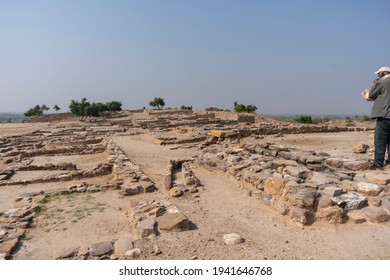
217, 209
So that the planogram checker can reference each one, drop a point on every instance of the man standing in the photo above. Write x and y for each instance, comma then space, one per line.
380, 94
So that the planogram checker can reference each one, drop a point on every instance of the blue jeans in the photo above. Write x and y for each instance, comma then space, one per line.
382, 140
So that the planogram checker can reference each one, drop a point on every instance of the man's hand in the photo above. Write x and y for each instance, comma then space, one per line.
376, 81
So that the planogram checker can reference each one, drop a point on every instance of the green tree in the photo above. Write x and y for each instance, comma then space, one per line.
304, 119
240, 108
36, 111
114, 106
95, 109
183, 107
79, 108
56, 108
157, 102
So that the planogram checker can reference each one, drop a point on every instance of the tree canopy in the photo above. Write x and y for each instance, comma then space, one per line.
157, 102
240, 108
85, 109
36, 111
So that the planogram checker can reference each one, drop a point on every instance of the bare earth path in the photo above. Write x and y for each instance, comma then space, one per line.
220, 208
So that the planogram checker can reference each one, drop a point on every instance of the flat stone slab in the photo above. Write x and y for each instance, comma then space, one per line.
368, 188
100, 249
173, 222
332, 191
378, 178
350, 201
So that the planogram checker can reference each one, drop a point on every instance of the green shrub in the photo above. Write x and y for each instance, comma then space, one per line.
303, 119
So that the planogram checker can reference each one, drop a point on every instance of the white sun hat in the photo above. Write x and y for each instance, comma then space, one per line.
383, 69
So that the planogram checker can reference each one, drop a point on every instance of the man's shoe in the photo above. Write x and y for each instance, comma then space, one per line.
375, 167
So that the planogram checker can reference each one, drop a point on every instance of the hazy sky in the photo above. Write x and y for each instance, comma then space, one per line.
285, 57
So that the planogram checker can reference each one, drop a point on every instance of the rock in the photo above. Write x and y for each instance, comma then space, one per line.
273, 186
122, 246
333, 214
3, 256
146, 187
303, 216
386, 203
378, 178
325, 201
297, 171
291, 184
218, 133
129, 190
334, 162
175, 192
282, 163
357, 216
360, 148
357, 165
232, 239
3, 232
66, 254
100, 249
6, 247
281, 207
376, 215
332, 191
350, 201
302, 197
146, 227
320, 179
368, 188
375, 201
134, 253
173, 222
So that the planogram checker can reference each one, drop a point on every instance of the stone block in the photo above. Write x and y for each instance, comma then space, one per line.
297, 171
100, 249
6, 247
173, 222
175, 192
368, 188
357, 216
332, 191
281, 207
302, 216
146, 227
386, 203
168, 182
273, 186
302, 197
350, 201
376, 214
378, 178
325, 201
333, 214
320, 179
283, 163
218, 133
129, 190
121, 246
357, 165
